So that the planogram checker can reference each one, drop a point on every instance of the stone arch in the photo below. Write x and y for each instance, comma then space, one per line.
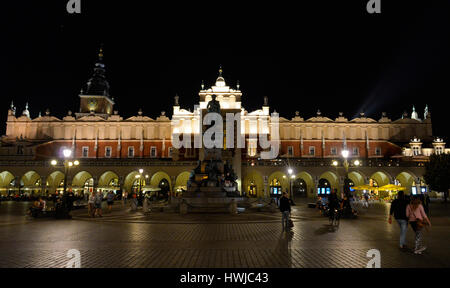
105, 179
30, 178
31, 183
254, 178
305, 176
182, 179
332, 178
158, 177
357, 178
406, 179
381, 178
6, 178
129, 180
54, 180
80, 179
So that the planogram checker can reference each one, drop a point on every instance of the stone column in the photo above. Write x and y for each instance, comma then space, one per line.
316, 185
43, 186
17, 184
266, 188
237, 167
95, 184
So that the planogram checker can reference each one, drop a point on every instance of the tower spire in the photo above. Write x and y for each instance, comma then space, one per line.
100, 53
97, 84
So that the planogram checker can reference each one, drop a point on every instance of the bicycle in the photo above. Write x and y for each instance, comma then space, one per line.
334, 217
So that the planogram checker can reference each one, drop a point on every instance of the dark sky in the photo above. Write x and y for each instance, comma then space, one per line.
327, 55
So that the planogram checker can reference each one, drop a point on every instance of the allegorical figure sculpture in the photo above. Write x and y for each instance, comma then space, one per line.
213, 105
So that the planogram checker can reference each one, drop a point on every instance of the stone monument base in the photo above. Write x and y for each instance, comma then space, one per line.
208, 200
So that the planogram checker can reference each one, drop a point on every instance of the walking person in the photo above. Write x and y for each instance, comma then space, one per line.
110, 200
398, 208
285, 208
418, 219
98, 204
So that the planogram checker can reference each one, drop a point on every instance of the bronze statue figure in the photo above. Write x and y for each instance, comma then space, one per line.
213, 105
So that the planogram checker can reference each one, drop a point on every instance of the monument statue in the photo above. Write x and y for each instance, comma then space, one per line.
213, 175
213, 105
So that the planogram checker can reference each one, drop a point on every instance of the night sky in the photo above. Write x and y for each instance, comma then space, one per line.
327, 55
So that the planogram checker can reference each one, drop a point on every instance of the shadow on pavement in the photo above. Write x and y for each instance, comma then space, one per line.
326, 228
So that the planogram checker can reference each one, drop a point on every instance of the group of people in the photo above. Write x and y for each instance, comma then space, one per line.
62, 205
38, 206
412, 212
95, 203
328, 204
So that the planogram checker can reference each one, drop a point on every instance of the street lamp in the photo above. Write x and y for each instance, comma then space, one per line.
291, 176
67, 153
345, 155
140, 178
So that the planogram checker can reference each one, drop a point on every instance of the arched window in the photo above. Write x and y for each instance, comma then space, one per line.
252, 189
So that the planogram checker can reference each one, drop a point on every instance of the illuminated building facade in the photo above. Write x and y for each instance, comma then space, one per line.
111, 149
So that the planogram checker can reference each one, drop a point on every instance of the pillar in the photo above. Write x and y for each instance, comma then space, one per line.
266, 188
17, 184
237, 167
95, 183
43, 186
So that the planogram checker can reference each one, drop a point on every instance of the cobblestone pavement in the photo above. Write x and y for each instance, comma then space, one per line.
248, 240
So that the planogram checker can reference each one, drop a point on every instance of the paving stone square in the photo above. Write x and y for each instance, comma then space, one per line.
124, 239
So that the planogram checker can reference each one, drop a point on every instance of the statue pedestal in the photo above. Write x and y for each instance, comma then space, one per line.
204, 192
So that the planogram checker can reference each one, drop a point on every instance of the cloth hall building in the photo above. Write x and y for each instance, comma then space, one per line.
111, 149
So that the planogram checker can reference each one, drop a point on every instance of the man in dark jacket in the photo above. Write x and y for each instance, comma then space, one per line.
398, 208
285, 208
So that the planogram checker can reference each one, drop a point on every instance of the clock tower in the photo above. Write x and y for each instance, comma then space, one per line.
94, 96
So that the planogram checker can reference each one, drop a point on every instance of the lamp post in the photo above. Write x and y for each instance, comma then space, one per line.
291, 176
139, 178
67, 153
346, 165
345, 156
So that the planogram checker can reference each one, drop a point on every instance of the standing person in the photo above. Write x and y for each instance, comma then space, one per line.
417, 219
285, 208
91, 205
110, 200
125, 197
134, 202
398, 208
98, 204
145, 206
70, 200
366, 200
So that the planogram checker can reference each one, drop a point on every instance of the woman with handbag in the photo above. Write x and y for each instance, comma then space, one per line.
418, 220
